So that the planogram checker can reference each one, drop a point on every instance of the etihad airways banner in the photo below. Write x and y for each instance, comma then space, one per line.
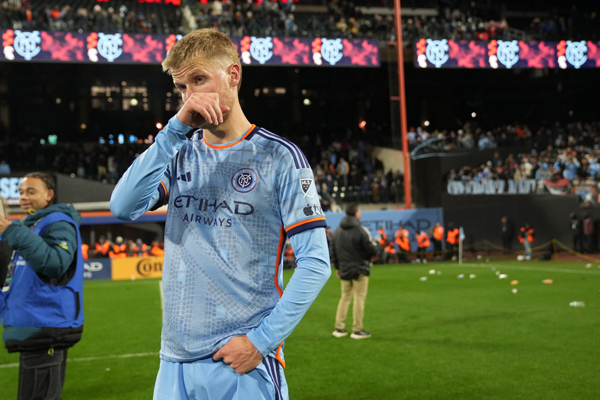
506, 54
95, 47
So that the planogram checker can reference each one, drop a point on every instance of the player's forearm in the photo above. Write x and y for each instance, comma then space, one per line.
310, 276
134, 192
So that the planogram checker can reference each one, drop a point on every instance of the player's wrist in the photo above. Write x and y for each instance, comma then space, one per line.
259, 342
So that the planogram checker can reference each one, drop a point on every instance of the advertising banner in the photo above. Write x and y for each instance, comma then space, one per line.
97, 47
506, 54
422, 218
524, 186
137, 268
97, 269
9, 189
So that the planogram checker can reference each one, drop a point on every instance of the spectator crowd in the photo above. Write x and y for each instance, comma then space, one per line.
568, 156
455, 19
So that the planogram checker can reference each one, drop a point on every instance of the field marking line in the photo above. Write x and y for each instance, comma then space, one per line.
489, 265
568, 271
92, 358
162, 296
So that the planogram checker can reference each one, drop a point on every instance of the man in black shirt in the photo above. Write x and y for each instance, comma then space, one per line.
576, 233
507, 235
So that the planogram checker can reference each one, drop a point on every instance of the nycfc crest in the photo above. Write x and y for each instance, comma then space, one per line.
27, 44
109, 46
576, 53
261, 49
508, 52
244, 180
331, 50
437, 52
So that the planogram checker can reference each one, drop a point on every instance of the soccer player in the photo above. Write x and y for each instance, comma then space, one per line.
234, 191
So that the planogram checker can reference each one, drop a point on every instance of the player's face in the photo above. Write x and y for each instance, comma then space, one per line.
202, 77
33, 193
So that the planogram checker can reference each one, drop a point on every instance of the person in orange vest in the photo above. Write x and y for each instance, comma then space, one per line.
289, 260
438, 239
402, 239
158, 249
84, 250
423, 242
383, 241
119, 248
526, 238
102, 247
140, 249
452, 238
389, 254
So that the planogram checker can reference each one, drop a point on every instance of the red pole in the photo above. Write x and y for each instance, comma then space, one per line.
402, 101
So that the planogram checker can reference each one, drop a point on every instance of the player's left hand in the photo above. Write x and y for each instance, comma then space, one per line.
4, 223
240, 354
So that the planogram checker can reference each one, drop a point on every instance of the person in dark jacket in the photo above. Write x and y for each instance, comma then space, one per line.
576, 233
5, 250
351, 253
589, 233
507, 235
42, 297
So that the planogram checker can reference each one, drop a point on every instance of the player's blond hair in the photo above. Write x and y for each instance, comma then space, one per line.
208, 45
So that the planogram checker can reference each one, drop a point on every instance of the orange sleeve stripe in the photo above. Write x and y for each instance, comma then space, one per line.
305, 222
212, 146
278, 355
165, 189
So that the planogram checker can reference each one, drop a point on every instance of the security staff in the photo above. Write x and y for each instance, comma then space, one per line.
42, 296
438, 238
452, 240
402, 239
102, 247
526, 237
119, 248
423, 243
158, 249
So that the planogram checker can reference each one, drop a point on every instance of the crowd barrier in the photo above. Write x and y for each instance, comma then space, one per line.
151, 267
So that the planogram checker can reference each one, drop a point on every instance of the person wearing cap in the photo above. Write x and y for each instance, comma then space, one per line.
119, 248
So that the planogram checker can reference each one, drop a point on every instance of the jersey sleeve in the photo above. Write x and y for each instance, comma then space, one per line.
298, 200
161, 196
145, 184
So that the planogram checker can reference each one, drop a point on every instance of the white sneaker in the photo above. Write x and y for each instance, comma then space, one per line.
360, 335
338, 333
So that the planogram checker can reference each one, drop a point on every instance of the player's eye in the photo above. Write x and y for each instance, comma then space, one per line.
199, 79
180, 87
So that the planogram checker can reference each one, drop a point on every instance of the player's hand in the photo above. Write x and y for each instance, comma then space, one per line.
240, 354
337, 272
4, 223
201, 109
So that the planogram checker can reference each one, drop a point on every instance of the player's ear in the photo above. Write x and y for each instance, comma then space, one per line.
235, 75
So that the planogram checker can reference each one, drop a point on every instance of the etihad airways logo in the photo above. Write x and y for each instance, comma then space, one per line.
209, 205
203, 207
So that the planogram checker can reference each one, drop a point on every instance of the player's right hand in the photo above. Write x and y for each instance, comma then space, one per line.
201, 109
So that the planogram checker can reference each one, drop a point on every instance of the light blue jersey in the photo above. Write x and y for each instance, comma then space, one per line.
230, 210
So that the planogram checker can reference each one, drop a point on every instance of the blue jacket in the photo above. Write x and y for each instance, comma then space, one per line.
43, 297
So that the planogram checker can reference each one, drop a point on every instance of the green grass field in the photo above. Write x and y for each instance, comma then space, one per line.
443, 338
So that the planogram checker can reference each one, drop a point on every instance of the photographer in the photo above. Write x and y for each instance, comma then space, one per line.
42, 297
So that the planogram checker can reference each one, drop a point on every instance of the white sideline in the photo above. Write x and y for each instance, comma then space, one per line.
162, 296
568, 271
14, 365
